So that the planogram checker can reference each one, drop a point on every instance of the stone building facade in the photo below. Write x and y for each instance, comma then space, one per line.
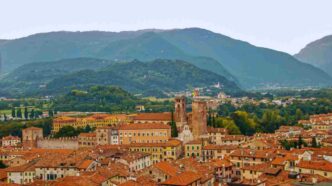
58, 143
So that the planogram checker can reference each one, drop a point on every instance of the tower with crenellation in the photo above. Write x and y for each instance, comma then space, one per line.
180, 115
30, 136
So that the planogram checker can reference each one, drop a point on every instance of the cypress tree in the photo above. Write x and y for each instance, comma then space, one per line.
2, 165
87, 128
314, 142
50, 113
26, 114
13, 113
32, 114
300, 142
209, 120
214, 122
174, 130
19, 113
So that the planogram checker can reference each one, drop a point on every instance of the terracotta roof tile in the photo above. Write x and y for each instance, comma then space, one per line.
167, 168
184, 178
165, 116
316, 165
144, 126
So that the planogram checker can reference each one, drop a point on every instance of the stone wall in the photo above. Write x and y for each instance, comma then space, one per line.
58, 143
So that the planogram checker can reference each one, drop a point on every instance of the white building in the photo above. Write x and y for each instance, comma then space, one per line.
10, 141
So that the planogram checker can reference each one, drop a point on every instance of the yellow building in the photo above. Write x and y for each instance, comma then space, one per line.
171, 149
87, 139
96, 120
193, 149
144, 133
253, 172
320, 167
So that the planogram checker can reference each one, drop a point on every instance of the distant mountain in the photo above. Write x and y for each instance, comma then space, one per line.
251, 66
49, 78
97, 98
318, 53
30, 77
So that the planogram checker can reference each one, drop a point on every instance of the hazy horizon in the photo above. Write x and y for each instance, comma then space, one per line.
280, 25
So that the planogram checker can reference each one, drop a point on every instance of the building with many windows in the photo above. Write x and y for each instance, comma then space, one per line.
144, 133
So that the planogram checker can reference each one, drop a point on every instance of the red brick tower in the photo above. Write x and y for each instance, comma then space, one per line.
199, 120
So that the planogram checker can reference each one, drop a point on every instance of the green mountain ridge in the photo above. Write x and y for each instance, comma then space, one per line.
318, 53
251, 66
135, 76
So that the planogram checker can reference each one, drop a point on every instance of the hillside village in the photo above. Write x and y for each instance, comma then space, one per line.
144, 149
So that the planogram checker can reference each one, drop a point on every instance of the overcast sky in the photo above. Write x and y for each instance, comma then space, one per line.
286, 25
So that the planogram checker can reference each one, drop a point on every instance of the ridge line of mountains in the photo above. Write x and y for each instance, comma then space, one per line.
236, 64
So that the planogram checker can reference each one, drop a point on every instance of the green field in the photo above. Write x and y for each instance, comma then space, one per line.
7, 112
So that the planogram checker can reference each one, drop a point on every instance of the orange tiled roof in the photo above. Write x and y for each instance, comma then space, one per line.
142, 180
167, 168
220, 163
165, 116
289, 128
23, 168
264, 167
90, 134
144, 126
194, 142
220, 147
316, 165
279, 161
253, 153
33, 128
10, 137
75, 181
169, 143
85, 164
184, 178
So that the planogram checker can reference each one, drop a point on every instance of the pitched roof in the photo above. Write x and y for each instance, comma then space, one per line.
263, 167
220, 163
194, 142
10, 137
289, 128
253, 153
85, 164
33, 128
144, 126
165, 116
167, 168
316, 165
90, 134
23, 168
184, 178
220, 147
169, 143
142, 180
